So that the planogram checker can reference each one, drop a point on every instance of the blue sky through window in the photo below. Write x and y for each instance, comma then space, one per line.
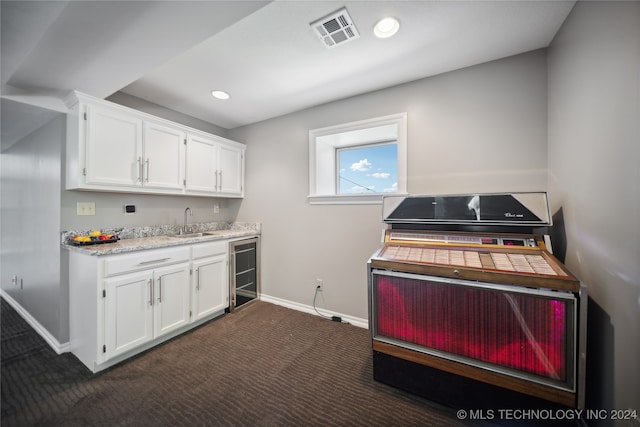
368, 169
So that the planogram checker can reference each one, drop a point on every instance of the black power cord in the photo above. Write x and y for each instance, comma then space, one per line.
333, 318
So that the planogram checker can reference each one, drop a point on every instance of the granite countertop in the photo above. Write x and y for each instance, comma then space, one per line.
143, 238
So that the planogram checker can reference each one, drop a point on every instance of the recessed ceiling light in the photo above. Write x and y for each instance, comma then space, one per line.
220, 94
386, 27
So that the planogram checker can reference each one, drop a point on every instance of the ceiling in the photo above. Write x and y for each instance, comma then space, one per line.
265, 54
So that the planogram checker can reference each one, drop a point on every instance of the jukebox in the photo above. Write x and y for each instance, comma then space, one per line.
468, 307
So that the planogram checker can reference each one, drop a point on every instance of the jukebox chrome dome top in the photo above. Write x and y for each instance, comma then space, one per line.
527, 209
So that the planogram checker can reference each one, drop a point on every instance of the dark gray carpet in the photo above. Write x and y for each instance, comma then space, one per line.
263, 365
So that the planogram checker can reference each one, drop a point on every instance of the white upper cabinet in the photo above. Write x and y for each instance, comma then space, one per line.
164, 161
230, 165
227, 157
202, 157
114, 148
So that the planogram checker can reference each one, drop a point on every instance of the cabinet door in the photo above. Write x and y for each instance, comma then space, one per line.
113, 147
171, 305
210, 286
128, 312
201, 164
230, 169
164, 157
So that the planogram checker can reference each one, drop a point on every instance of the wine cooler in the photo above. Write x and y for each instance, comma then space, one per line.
244, 274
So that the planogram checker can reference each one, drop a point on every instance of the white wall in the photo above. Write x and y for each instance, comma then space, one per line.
594, 177
478, 129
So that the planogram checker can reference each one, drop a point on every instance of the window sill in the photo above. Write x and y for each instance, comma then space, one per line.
350, 199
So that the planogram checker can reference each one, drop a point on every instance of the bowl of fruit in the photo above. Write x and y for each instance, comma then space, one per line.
93, 238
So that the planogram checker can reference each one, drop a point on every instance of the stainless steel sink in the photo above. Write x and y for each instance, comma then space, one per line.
187, 235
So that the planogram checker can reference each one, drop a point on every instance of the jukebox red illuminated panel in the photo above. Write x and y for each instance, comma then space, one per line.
526, 333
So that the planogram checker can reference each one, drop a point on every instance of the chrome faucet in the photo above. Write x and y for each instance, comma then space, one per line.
184, 226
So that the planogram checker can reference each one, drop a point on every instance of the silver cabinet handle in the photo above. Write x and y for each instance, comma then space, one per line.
147, 163
215, 187
160, 289
150, 292
198, 280
220, 189
154, 261
139, 169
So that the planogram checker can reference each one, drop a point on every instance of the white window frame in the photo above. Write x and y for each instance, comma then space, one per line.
324, 142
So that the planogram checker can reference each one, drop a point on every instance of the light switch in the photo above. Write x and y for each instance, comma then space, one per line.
216, 208
85, 208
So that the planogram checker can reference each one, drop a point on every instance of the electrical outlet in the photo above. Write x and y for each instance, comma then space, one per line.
216, 208
319, 284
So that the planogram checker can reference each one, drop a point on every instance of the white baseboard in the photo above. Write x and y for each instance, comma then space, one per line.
41, 330
355, 321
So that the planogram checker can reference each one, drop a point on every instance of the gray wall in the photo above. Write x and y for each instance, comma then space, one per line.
150, 210
594, 178
474, 130
30, 219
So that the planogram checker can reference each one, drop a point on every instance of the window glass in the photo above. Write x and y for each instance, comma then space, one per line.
368, 169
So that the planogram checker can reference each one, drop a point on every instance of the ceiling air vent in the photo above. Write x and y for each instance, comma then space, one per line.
336, 28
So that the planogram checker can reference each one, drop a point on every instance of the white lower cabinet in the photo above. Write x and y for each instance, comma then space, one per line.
141, 307
128, 313
171, 299
210, 279
123, 304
